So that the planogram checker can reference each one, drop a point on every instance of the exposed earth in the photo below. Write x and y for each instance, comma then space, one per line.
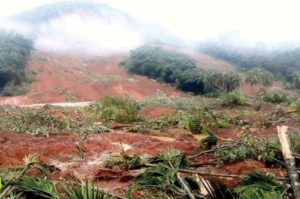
73, 81
63, 78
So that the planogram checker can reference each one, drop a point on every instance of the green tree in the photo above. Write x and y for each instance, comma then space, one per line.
178, 70
259, 77
296, 79
15, 52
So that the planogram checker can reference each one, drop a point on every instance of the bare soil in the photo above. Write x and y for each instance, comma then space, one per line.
62, 78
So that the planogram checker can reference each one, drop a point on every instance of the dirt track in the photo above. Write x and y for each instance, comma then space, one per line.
64, 104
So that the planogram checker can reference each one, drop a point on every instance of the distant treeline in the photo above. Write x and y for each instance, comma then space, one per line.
178, 70
283, 64
15, 52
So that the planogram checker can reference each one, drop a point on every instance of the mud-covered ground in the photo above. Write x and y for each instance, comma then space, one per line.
61, 150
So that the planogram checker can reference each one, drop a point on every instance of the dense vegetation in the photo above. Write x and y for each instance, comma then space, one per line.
284, 64
178, 70
15, 51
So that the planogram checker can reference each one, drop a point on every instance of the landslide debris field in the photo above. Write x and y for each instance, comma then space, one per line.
63, 78
160, 146
99, 102
153, 123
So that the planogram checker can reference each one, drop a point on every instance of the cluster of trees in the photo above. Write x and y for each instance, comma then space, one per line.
178, 70
259, 76
284, 64
296, 79
15, 52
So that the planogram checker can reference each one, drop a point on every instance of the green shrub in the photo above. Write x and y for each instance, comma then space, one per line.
124, 160
117, 109
257, 185
194, 120
253, 147
11, 89
161, 99
259, 76
297, 106
36, 122
234, 98
235, 154
296, 79
195, 123
277, 98
294, 139
93, 129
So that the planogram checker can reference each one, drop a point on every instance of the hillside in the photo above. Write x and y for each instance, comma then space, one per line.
84, 27
69, 78
121, 100
204, 61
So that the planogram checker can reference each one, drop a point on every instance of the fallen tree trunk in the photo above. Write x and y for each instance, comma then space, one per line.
209, 174
289, 160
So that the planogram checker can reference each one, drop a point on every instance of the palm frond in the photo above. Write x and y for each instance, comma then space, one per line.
37, 187
30, 159
174, 157
260, 185
87, 190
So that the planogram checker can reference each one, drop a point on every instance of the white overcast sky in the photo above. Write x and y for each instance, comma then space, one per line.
257, 20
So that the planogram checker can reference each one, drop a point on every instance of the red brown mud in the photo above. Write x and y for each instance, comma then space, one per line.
227, 133
277, 86
173, 134
156, 112
62, 78
61, 151
248, 165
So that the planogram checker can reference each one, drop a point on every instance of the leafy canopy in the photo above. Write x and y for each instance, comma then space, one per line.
178, 70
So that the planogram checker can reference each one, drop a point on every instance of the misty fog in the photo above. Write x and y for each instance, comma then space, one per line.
114, 26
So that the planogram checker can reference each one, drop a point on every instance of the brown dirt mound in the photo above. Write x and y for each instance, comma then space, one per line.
156, 112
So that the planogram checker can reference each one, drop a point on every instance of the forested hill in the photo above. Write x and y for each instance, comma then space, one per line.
15, 52
284, 63
45, 13
35, 20
179, 70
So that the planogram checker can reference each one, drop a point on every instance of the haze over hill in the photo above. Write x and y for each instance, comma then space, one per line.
109, 29
84, 27
114, 26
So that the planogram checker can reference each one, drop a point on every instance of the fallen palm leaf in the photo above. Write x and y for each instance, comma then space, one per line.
35, 186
